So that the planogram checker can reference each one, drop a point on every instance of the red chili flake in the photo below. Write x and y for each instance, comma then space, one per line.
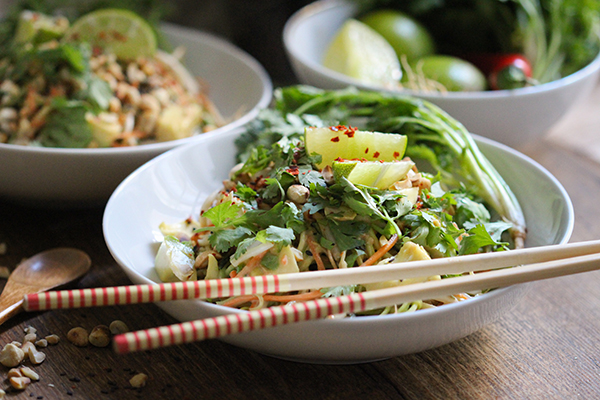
119, 36
367, 150
396, 154
376, 154
293, 170
350, 132
335, 139
102, 35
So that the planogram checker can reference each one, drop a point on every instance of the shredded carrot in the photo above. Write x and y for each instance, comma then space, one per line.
239, 300
313, 249
284, 298
232, 274
251, 264
382, 250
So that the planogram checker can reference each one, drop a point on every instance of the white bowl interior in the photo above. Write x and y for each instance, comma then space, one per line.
238, 85
513, 117
172, 187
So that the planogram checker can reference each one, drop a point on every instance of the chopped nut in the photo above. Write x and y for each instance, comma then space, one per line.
4, 272
41, 343
14, 373
30, 337
298, 194
3, 248
78, 336
29, 329
27, 346
31, 374
117, 327
36, 357
11, 355
18, 344
138, 380
52, 339
20, 383
2, 394
100, 336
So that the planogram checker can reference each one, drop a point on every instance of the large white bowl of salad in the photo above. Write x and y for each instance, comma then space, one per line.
301, 201
86, 101
508, 71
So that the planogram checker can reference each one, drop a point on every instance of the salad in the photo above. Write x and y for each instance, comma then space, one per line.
468, 45
312, 192
97, 82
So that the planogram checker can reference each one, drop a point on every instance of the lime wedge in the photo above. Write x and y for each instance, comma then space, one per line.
363, 54
349, 143
372, 173
121, 32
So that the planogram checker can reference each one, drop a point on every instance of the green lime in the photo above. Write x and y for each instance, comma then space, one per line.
406, 35
455, 74
121, 32
350, 143
361, 53
372, 173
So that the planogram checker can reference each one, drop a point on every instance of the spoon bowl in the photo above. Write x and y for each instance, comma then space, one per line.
39, 273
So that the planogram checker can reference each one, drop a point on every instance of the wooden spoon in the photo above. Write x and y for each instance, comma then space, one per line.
39, 273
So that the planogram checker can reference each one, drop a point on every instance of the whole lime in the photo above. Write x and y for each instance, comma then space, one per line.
455, 74
406, 35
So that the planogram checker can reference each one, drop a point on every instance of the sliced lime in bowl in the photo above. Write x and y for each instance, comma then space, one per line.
118, 31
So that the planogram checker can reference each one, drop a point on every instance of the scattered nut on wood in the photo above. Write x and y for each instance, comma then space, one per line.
78, 336
117, 327
29, 329
31, 374
3, 248
26, 346
36, 357
4, 272
30, 337
11, 355
52, 339
41, 343
20, 383
2, 394
100, 336
14, 373
138, 380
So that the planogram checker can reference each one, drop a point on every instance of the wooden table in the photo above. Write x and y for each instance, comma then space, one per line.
548, 347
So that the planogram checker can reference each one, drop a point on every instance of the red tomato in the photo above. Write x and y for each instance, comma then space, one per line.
504, 71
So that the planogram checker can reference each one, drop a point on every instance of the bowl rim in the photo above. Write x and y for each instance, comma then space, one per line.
320, 6
218, 309
193, 34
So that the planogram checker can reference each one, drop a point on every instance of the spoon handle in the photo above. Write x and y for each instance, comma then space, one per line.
11, 299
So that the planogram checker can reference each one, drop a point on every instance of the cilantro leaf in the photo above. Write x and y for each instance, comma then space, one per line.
478, 238
224, 239
66, 125
222, 215
276, 235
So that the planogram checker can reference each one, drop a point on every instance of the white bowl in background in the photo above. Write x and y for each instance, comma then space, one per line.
513, 117
172, 187
237, 84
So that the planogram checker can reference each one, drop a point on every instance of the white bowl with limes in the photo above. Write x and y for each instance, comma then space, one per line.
237, 85
514, 117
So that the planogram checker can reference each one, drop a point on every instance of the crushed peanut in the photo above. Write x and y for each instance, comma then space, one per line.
138, 380
11, 355
3, 248
20, 383
31, 374
41, 343
30, 337
117, 327
4, 272
78, 336
52, 339
14, 373
100, 336
36, 357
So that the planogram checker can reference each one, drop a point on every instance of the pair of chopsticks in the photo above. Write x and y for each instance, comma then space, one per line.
535, 264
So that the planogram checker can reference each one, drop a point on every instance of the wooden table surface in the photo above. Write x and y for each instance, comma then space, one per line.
547, 347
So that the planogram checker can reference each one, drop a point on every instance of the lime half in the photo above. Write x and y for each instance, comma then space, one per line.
363, 54
349, 143
121, 32
372, 173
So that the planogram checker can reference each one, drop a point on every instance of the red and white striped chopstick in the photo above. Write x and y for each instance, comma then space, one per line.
218, 288
275, 316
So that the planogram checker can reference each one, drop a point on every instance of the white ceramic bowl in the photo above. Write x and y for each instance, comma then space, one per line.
237, 84
172, 187
513, 117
